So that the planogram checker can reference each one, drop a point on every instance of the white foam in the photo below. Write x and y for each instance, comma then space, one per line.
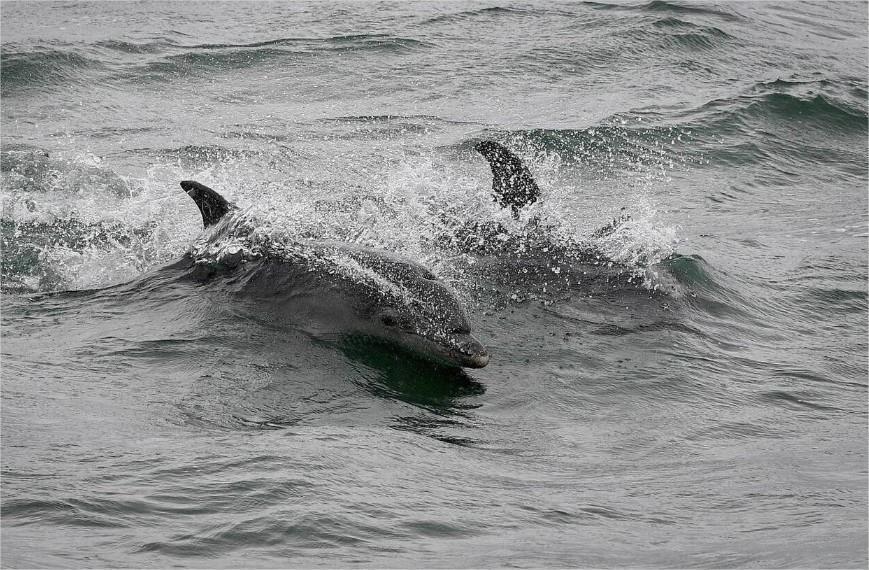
411, 204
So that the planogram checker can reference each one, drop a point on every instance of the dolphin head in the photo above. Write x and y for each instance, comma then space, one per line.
428, 319
408, 306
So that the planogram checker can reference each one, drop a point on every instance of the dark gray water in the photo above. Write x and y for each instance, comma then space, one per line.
702, 402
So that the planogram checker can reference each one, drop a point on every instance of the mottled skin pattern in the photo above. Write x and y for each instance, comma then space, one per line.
416, 308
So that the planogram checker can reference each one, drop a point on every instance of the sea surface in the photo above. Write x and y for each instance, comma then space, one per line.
698, 398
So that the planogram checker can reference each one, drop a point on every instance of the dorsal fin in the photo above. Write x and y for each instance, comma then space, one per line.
211, 205
512, 183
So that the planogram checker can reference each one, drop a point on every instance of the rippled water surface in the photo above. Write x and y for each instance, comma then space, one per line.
687, 391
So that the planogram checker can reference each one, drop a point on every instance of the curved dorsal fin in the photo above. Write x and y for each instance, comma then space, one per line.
512, 183
211, 205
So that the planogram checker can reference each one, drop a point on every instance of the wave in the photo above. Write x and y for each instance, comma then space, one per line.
812, 103
669, 7
43, 67
779, 120
822, 111
209, 58
206, 154
379, 127
743, 114
389, 118
32, 251
619, 143
673, 33
167, 60
182, 65
464, 15
133, 47
33, 170
346, 42
72, 222
646, 139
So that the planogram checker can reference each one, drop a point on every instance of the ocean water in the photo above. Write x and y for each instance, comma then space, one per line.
694, 397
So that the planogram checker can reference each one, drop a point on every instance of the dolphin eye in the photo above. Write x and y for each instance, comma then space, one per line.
388, 320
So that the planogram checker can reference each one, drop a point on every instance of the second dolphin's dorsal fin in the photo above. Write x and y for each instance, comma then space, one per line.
211, 205
512, 183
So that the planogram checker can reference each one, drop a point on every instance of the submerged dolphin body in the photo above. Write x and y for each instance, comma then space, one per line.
533, 258
513, 187
361, 290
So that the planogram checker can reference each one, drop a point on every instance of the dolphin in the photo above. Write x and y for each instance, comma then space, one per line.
535, 262
361, 290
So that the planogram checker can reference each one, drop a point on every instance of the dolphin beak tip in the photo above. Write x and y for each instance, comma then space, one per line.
477, 361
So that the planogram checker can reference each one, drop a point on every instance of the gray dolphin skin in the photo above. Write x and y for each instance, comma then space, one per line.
365, 291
